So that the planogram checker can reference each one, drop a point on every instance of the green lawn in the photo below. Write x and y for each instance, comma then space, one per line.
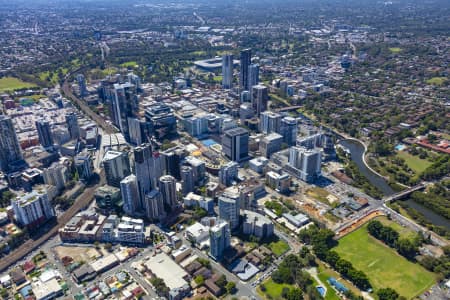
404, 232
437, 80
131, 64
12, 84
417, 164
331, 293
383, 266
218, 78
273, 290
279, 247
395, 49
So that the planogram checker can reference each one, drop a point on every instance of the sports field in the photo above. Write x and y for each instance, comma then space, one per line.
383, 266
12, 83
273, 290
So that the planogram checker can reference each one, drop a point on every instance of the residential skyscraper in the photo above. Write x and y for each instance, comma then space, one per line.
219, 239
246, 60
235, 144
187, 179
154, 206
228, 173
117, 167
44, 133
84, 165
289, 130
260, 97
143, 170
125, 105
307, 162
81, 80
229, 209
130, 197
227, 71
72, 125
253, 75
167, 188
9, 144
32, 209
172, 160
56, 175
270, 122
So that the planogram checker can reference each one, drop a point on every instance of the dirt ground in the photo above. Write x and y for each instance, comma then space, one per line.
77, 253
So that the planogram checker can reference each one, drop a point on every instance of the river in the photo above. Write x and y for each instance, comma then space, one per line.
357, 152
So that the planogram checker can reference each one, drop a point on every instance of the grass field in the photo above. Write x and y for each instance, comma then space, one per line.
383, 266
279, 247
319, 194
129, 64
417, 164
12, 84
273, 290
395, 50
403, 231
437, 80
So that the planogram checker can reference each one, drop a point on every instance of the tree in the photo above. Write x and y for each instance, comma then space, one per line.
230, 287
295, 294
406, 248
222, 281
387, 294
199, 279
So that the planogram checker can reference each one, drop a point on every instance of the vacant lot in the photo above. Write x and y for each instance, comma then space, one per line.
417, 164
383, 266
12, 84
437, 80
78, 254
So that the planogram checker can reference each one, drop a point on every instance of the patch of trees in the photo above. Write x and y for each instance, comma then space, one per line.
322, 241
391, 237
290, 271
160, 287
277, 207
438, 169
437, 199
388, 294
439, 265
359, 180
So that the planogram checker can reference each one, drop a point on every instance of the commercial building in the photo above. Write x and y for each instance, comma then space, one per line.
199, 234
196, 126
270, 144
130, 195
175, 278
257, 225
167, 188
9, 144
194, 200
235, 144
44, 133
154, 206
198, 169
258, 164
125, 104
162, 122
227, 71
32, 209
117, 167
246, 60
130, 231
228, 173
229, 209
280, 183
297, 220
219, 239
72, 126
260, 98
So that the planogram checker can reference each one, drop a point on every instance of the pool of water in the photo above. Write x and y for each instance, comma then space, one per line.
321, 290
400, 147
208, 142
